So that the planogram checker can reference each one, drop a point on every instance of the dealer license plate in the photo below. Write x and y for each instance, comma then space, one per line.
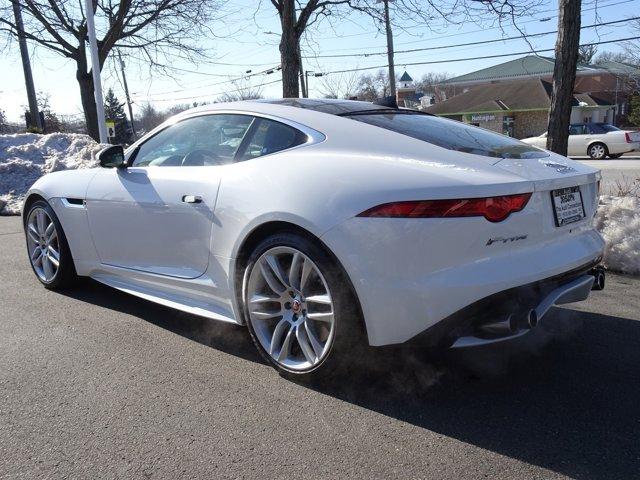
568, 206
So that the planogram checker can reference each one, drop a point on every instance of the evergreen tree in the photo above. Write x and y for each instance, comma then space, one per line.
114, 111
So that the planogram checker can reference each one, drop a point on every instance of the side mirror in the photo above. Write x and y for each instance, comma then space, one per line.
112, 157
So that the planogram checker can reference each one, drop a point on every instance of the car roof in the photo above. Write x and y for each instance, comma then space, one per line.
317, 114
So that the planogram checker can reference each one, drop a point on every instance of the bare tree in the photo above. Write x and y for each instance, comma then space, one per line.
608, 56
586, 53
149, 30
297, 15
339, 85
293, 26
372, 86
431, 84
150, 117
632, 47
241, 89
564, 75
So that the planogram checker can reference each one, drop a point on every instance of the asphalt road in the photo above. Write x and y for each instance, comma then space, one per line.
98, 384
622, 172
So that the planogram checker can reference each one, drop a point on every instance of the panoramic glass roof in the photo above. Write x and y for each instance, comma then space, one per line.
332, 106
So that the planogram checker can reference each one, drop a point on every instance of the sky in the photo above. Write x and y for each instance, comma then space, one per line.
248, 40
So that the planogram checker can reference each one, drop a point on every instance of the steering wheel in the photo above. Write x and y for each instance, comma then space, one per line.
196, 158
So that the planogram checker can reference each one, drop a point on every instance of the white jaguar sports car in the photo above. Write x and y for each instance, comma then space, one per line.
327, 224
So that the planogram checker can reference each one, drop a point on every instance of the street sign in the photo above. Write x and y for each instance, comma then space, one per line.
111, 128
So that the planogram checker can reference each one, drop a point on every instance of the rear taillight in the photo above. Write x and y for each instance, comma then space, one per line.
627, 137
494, 209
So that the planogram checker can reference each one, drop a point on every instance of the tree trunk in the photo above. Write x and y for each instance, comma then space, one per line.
289, 50
564, 75
85, 81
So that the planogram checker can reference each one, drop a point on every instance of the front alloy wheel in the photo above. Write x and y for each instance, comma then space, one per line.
43, 244
47, 247
290, 308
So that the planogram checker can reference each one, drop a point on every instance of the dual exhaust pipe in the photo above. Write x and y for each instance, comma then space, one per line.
511, 324
514, 322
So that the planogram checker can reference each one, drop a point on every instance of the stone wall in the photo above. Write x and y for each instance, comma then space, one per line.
530, 124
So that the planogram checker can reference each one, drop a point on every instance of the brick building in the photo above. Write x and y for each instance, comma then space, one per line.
517, 108
609, 82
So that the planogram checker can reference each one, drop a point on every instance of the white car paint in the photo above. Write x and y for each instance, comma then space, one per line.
134, 233
578, 145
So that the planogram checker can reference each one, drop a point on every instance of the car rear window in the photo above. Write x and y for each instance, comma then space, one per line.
608, 128
450, 134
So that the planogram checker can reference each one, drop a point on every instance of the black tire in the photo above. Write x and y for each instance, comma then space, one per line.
597, 151
615, 155
66, 275
350, 340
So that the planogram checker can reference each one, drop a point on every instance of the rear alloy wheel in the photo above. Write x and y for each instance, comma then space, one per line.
47, 247
300, 313
597, 151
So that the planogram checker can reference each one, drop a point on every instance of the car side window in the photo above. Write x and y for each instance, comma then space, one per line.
576, 130
196, 141
269, 136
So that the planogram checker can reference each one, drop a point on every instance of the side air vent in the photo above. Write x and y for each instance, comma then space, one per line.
73, 202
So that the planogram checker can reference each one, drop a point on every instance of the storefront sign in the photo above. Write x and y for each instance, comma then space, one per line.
483, 117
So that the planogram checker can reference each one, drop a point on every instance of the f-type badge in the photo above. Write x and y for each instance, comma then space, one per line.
504, 240
559, 167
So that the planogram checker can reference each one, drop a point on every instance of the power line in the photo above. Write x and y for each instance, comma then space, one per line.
535, 19
482, 42
215, 94
439, 47
484, 57
268, 71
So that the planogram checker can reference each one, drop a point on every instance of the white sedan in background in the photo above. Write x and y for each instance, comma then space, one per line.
597, 140
325, 225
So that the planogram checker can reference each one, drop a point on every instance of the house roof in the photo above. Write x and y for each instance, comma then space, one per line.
516, 95
406, 77
618, 67
530, 65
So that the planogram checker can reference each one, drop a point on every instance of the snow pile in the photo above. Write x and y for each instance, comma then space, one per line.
618, 220
26, 157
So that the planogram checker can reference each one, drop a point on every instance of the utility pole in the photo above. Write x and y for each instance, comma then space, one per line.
95, 70
306, 77
303, 86
36, 121
392, 71
126, 94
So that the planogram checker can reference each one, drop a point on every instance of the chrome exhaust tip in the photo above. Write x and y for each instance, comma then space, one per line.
599, 278
532, 318
508, 326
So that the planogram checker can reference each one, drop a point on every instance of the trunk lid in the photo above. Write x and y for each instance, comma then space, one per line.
551, 172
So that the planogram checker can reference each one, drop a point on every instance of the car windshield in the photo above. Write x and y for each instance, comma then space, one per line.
449, 134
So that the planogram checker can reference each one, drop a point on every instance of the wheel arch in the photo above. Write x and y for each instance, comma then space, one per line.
28, 202
264, 230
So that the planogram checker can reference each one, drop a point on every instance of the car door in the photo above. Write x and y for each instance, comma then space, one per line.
577, 142
156, 215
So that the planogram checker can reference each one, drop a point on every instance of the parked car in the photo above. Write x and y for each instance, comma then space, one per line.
324, 225
598, 140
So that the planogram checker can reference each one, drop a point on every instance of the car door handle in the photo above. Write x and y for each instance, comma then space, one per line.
191, 199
